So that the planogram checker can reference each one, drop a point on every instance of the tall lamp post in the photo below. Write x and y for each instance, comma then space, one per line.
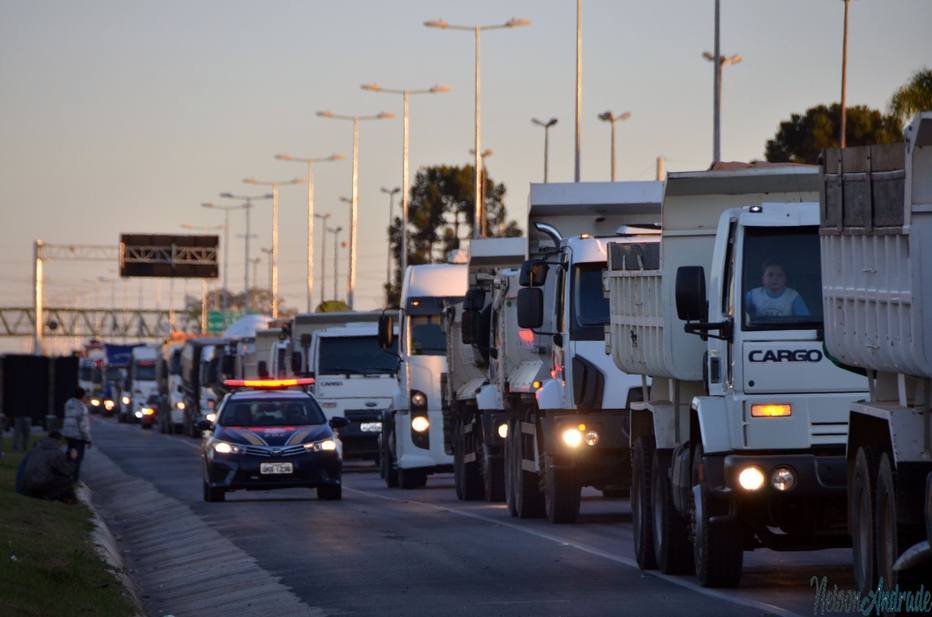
546, 125
273, 257
611, 118
842, 139
226, 247
405, 97
718, 62
310, 212
484, 223
323, 252
351, 290
404, 230
336, 247
476, 29
247, 206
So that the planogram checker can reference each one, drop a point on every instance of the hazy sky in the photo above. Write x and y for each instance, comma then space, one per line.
124, 116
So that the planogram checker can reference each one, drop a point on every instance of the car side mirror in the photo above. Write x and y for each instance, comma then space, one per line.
691, 302
386, 331
474, 299
204, 425
530, 307
338, 422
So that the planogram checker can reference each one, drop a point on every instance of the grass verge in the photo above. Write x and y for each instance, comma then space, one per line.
48, 565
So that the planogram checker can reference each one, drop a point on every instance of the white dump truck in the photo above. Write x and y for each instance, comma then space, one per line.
473, 403
414, 441
304, 325
876, 234
143, 387
168, 374
356, 379
574, 434
740, 440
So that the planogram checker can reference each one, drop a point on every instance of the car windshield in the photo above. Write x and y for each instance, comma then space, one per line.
427, 336
590, 306
782, 279
144, 372
270, 412
355, 355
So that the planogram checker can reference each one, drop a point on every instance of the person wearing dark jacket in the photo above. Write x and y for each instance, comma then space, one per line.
46, 472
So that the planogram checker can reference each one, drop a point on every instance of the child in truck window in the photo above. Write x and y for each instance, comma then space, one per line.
773, 298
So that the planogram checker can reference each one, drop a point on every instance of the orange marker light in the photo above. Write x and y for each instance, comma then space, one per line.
771, 410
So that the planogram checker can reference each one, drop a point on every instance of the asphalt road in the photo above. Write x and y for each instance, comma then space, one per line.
391, 552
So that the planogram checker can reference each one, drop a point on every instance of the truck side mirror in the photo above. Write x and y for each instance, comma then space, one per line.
533, 273
386, 331
297, 362
474, 300
468, 327
530, 307
691, 302
228, 365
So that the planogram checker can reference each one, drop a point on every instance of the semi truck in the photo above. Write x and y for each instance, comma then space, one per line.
472, 403
739, 442
143, 386
876, 230
304, 325
196, 380
574, 433
171, 392
414, 441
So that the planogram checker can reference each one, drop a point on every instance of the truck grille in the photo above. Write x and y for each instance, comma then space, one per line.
363, 415
824, 433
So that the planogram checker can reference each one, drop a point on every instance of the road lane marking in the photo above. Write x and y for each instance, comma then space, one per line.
771, 608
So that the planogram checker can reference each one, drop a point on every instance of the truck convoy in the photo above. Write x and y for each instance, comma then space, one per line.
876, 230
472, 403
575, 433
740, 442
415, 442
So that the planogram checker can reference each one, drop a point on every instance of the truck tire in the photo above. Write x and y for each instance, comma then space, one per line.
862, 484
642, 516
672, 550
412, 478
387, 470
561, 493
528, 499
717, 550
467, 476
493, 477
892, 536
509, 472
330, 493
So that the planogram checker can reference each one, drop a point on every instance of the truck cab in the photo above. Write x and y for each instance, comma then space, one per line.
415, 442
171, 414
354, 379
142, 378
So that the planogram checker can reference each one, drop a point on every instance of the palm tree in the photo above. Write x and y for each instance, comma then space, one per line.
913, 97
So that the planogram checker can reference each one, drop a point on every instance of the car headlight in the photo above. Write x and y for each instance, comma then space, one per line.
108, 405
95, 402
138, 414
126, 400
420, 424
225, 448
211, 417
180, 405
324, 445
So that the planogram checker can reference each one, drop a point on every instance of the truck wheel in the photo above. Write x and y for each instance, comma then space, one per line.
672, 551
412, 478
561, 493
509, 472
467, 476
642, 516
493, 478
862, 486
717, 550
213, 494
330, 493
176, 429
893, 537
387, 470
529, 502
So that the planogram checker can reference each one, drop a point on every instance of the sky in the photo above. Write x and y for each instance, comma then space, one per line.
123, 117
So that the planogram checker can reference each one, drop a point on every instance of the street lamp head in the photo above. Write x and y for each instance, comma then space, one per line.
625, 115
208, 205
436, 23
371, 87
385, 115
250, 181
284, 157
517, 23
607, 116
227, 195
735, 59
390, 191
708, 56
551, 122
325, 114
437, 88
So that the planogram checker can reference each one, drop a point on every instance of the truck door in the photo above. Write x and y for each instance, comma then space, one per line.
720, 359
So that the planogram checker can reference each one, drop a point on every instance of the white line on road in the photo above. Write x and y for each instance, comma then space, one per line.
770, 608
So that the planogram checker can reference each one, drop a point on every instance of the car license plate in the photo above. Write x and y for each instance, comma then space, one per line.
275, 468
371, 427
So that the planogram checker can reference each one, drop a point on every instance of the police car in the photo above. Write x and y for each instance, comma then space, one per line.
266, 436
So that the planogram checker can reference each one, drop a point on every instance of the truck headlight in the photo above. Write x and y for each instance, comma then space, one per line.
591, 438
420, 423
783, 479
108, 405
126, 400
751, 478
211, 417
418, 400
148, 411
572, 437
180, 405
503, 430
95, 402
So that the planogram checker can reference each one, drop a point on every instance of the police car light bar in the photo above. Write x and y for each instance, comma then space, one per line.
268, 384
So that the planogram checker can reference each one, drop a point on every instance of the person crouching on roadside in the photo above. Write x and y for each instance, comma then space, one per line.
77, 428
45, 472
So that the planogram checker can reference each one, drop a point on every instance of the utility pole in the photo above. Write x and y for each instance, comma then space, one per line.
611, 119
842, 138
578, 172
404, 231
661, 172
546, 125
323, 252
718, 63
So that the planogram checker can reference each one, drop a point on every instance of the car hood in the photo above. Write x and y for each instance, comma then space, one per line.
273, 435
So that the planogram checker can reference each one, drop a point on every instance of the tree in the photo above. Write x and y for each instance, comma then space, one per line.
914, 96
332, 306
803, 137
441, 214
254, 301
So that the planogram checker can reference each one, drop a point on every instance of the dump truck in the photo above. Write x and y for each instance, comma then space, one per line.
876, 230
739, 441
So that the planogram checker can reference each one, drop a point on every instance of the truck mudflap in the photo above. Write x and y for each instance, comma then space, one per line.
594, 445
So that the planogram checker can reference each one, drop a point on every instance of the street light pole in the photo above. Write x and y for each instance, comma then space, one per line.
351, 290
611, 118
482, 156
310, 213
323, 253
578, 168
404, 233
273, 258
477, 29
226, 247
247, 207
336, 246
546, 125
718, 63
842, 138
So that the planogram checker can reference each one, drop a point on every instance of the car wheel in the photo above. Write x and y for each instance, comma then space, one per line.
213, 494
330, 493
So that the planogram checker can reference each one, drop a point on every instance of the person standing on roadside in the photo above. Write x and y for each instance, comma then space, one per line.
77, 428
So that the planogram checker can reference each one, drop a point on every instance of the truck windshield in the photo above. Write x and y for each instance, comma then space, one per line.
174, 367
781, 279
144, 372
91, 373
589, 304
427, 336
355, 355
